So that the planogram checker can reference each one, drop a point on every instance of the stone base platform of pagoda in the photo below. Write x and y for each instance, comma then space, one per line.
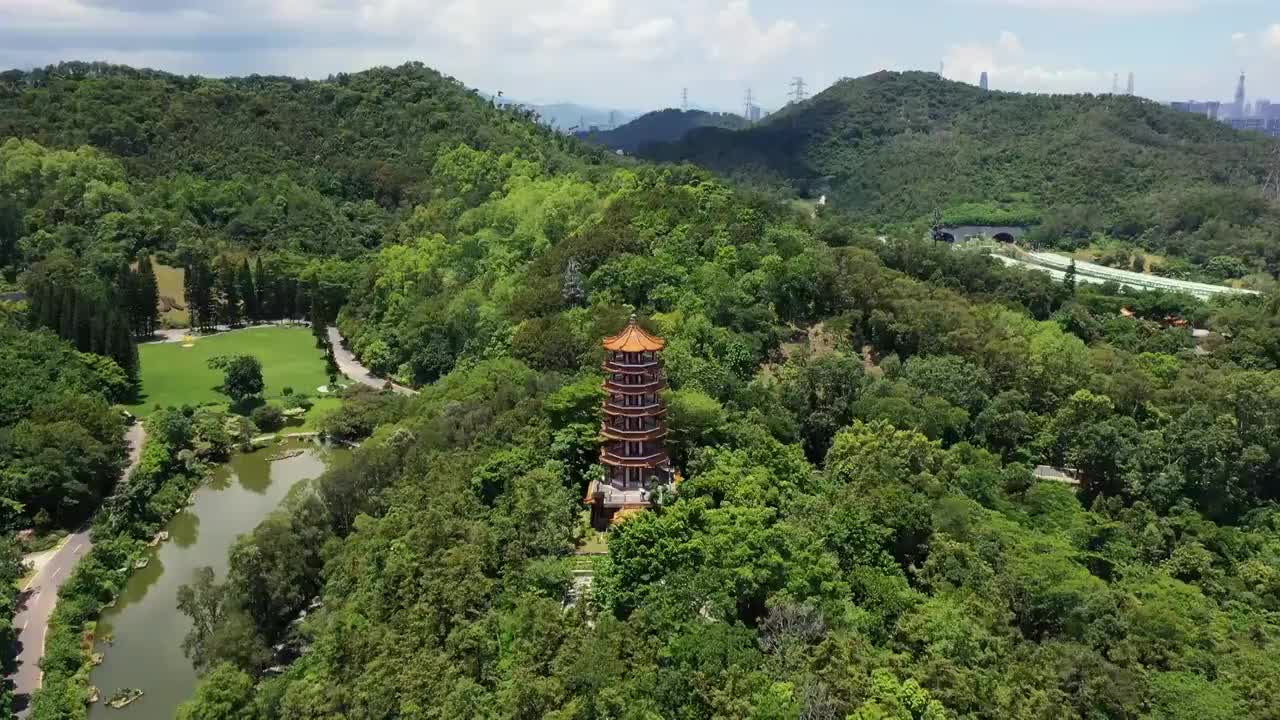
606, 501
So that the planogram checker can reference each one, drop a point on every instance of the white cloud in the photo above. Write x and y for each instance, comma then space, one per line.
1104, 6
1010, 67
1010, 42
737, 37
1271, 37
527, 47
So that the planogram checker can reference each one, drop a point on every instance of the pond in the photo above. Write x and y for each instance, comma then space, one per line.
145, 625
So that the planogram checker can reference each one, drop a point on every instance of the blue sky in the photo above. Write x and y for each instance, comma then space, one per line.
638, 54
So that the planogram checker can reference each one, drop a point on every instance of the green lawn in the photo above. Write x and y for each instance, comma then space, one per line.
174, 375
323, 405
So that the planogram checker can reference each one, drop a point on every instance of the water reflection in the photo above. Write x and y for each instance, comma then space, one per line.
140, 583
184, 529
253, 470
147, 627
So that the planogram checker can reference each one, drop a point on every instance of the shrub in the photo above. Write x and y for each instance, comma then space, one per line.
363, 410
268, 418
299, 400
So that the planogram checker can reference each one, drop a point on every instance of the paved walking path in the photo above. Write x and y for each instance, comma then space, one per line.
36, 602
40, 595
347, 362
168, 335
352, 368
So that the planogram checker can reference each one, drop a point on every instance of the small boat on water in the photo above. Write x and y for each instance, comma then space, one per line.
123, 697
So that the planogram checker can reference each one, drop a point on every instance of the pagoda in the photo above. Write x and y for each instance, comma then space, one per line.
634, 456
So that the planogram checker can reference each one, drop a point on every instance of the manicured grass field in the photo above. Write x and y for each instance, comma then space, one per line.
174, 375
322, 406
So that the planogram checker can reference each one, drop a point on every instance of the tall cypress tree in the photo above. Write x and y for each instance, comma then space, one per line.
46, 303
127, 294
266, 291
248, 292
200, 299
227, 291
67, 316
147, 301
189, 293
301, 303
83, 314
318, 326
208, 300
287, 296
127, 352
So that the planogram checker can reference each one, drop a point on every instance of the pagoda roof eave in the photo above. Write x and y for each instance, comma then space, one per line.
634, 339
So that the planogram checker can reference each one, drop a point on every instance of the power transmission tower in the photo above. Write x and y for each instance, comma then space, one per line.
797, 90
684, 99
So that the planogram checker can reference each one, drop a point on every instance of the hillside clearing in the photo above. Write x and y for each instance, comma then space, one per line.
177, 375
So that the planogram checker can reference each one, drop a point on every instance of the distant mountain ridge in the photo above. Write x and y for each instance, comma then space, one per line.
896, 146
661, 126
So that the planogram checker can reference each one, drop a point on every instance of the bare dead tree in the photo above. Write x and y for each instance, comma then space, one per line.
816, 703
1271, 188
789, 625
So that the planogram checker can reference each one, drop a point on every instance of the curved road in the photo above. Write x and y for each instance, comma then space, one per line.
352, 368
37, 600
35, 603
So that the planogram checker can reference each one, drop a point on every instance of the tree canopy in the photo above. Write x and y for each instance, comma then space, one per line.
856, 414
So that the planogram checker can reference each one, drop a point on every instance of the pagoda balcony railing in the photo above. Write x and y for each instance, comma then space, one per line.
633, 388
611, 366
614, 433
654, 408
653, 459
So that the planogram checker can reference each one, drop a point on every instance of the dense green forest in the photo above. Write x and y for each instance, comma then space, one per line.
894, 147
660, 126
856, 414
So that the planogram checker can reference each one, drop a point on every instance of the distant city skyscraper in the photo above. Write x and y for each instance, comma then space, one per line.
1129, 91
982, 81
1238, 107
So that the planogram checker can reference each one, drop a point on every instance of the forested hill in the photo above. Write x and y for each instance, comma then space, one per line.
362, 134
661, 126
856, 417
895, 146
271, 162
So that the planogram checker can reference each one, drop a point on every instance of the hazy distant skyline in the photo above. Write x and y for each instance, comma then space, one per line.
614, 53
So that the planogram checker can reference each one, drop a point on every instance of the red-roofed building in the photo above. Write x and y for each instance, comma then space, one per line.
634, 455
